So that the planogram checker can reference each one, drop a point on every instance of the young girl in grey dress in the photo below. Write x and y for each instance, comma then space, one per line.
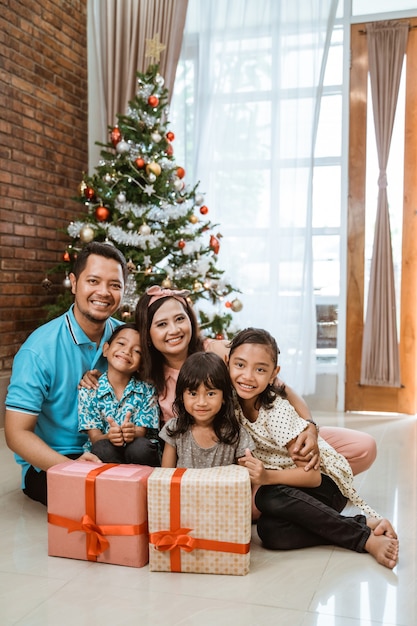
205, 431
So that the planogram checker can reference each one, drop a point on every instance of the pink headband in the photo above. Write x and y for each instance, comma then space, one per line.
156, 293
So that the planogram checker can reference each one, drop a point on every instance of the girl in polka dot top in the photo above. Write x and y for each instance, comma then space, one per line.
298, 508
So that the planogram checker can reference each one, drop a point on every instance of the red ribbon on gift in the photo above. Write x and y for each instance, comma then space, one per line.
177, 538
95, 534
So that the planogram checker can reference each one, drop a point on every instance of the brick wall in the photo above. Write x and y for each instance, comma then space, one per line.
43, 152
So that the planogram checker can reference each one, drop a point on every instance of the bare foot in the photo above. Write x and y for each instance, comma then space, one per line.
384, 549
381, 527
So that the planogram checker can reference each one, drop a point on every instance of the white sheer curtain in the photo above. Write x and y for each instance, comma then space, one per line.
256, 69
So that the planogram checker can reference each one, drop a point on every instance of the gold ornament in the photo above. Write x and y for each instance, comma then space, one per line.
193, 219
236, 305
153, 167
130, 266
87, 233
154, 48
166, 283
82, 187
197, 286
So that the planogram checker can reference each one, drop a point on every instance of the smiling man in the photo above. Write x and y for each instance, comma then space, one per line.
41, 422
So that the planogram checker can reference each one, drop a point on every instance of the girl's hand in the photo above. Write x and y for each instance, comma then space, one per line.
115, 434
90, 379
128, 429
255, 467
306, 449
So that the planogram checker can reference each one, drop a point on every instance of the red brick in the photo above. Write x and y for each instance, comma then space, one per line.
43, 152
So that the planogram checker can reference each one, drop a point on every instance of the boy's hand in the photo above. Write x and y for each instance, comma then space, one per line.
128, 429
115, 434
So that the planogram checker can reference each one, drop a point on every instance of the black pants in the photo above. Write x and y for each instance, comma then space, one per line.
141, 451
299, 518
35, 483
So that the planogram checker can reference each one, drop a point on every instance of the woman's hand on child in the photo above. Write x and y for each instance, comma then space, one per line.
255, 467
90, 379
306, 449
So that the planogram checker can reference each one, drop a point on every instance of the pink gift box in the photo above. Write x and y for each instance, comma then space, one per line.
200, 520
98, 512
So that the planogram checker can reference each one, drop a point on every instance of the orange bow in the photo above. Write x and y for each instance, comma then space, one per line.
169, 539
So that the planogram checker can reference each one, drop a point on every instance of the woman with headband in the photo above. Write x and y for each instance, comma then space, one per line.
169, 333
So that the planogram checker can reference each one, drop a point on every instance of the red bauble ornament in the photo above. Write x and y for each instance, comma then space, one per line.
170, 136
181, 244
180, 172
140, 163
220, 336
115, 136
169, 150
66, 256
102, 213
153, 101
228, 304
204, 210
89, 193
214, 244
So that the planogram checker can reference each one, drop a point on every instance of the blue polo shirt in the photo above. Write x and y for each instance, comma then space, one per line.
45, 377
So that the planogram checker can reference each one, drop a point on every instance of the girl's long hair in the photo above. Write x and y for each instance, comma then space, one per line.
153, 360
210, 370
263, 338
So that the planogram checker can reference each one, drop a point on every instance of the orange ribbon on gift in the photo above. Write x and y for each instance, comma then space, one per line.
178, 539
95, 534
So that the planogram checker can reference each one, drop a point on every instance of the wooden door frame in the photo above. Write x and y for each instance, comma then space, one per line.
363, 397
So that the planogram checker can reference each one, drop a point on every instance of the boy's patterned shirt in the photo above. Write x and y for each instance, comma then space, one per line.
95, 405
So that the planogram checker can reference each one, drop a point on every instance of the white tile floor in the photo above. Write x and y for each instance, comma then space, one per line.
320, 586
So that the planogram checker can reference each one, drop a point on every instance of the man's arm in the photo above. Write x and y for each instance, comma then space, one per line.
21, 439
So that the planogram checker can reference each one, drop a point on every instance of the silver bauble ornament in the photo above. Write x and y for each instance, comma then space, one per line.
122, 147
121, 197
66, 282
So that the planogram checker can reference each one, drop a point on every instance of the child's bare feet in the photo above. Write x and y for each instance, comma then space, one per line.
383, 548
381, 527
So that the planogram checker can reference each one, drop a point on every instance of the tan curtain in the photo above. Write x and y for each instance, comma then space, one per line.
118, 31
387, 42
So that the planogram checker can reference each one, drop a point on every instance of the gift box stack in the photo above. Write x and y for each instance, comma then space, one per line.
200, 520
98, 512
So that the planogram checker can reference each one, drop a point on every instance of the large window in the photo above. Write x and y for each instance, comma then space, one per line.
251, 163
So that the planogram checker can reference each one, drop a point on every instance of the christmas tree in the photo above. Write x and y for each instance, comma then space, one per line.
138, 200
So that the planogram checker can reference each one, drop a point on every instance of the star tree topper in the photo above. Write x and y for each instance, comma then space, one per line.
154, 48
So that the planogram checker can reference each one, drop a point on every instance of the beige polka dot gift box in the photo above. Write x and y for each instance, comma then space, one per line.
200, 520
